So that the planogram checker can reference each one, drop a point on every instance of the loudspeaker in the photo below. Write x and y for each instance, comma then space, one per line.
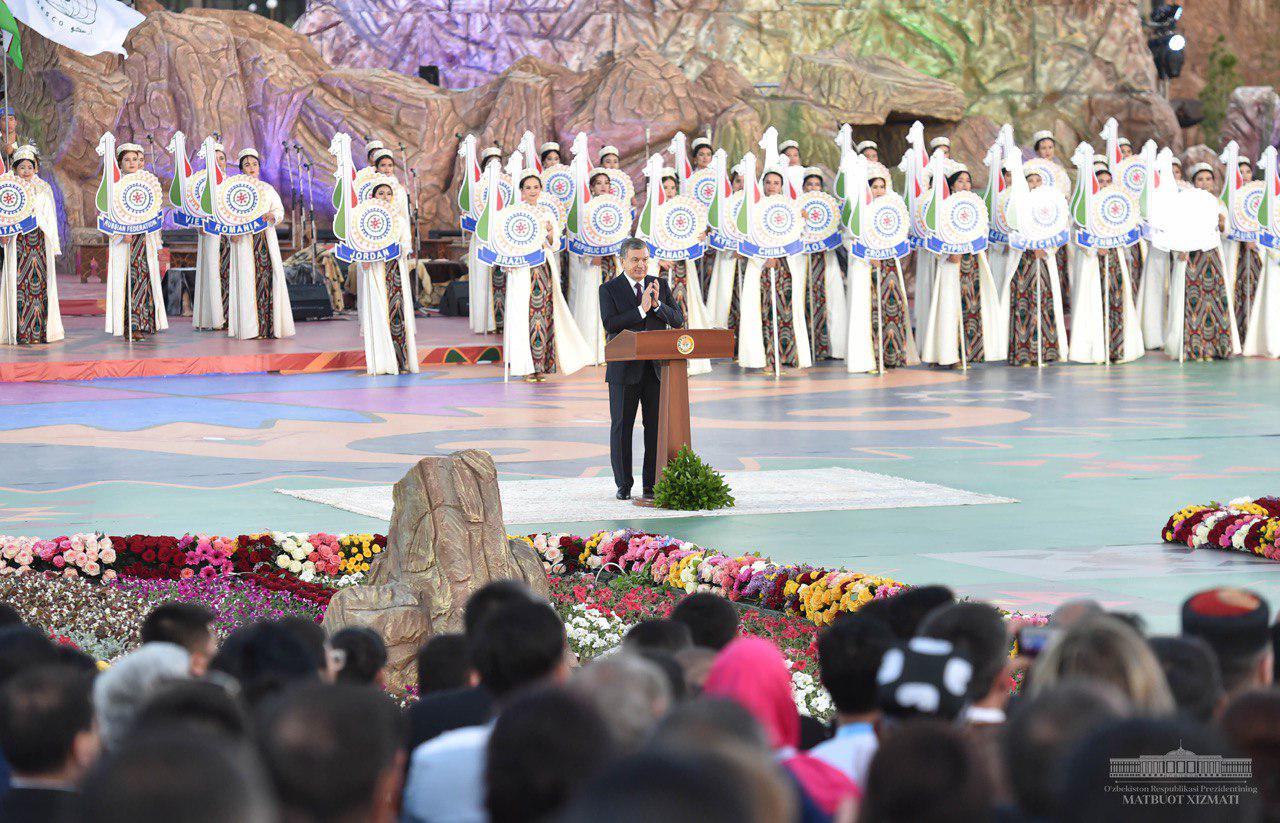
310, 301
456, 302
430, 73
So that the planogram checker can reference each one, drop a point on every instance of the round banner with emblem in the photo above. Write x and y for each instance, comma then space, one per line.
677, 229
554, 206
1244, 215
604, 223
702, 186
137, 198
557, 181
372, 226
730, 239
821, 221
193, 192
777, 227
962, 225
1114, 218
1043, 220
1131, 174
1050, 172
240, 200
999, 218
16, 201
621, 184
517, 237
886, 225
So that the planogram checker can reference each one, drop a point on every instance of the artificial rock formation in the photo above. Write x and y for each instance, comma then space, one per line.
1252, 119
446, 540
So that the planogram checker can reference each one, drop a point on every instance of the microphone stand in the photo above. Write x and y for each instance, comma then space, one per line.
293, 196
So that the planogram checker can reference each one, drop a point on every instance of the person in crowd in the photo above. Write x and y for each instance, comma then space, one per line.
335, 753
1193, 676
1042, 732
1073, 610
1251, 723
444, 664
29, 307
258, 298
1107, 650
121, 691
849, 655
189, 625
924, 678
696, 664
1087, 774
712, 619
468, 704
194, 704
49, 738
263, 659
517, 646
176, 775
904, 612
1234, 622
312, 635
927, 770
9, 616
544, 747
753, 672
363, 654
658, 634
672, 671
631, 693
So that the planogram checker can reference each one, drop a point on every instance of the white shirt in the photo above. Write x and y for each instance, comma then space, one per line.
639, 283
850, 750
446, 778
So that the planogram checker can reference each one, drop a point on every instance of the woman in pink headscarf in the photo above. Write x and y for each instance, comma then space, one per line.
753, 673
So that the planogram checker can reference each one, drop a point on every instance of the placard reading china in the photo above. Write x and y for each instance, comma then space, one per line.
777, 228
372, 232
135, 205
1114, 217
678, 226
516, 239
821, 221
1042, 220
961, 225
885, 229
729, 239
604, 223
240, 207
1242, 223
702, 185
467, 220
16, 203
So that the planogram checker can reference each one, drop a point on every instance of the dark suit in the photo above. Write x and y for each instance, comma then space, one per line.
634, 383
34, 805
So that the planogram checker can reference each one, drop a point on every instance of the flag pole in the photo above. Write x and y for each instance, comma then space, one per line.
877, 265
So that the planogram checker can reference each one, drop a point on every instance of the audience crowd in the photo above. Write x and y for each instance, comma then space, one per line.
945, 712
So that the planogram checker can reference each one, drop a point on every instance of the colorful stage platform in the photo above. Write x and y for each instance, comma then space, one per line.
320, 345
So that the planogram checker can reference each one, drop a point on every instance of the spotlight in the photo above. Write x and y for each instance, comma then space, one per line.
271, 4
1176, 42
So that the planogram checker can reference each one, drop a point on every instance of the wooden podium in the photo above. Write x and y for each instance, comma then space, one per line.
675, 348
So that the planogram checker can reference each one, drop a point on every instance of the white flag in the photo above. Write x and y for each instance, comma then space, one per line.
87, 26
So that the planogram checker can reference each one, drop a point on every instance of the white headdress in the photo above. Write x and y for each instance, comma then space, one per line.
550, 145
1043, 134
491, 151
605, 151
788, 144
1197, 168
864, 145
124, 147
248, 153
379, 154
26, 153
372, 146
940, 141
699, 142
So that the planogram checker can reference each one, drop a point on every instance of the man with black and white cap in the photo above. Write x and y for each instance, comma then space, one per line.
1236, 625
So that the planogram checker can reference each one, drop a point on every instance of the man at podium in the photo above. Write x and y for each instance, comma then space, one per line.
633, 301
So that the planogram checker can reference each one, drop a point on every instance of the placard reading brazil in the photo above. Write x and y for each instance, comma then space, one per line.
517, 238
15, 206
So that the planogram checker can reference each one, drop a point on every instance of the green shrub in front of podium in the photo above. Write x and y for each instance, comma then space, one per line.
690, 484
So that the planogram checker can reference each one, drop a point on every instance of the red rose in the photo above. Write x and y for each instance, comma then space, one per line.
149, 555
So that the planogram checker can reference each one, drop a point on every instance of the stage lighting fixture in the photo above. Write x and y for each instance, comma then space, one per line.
1166, 44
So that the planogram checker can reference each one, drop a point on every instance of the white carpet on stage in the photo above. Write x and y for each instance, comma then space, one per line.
579, 499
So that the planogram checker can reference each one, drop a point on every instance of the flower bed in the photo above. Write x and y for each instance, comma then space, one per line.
812, 592
1244, 525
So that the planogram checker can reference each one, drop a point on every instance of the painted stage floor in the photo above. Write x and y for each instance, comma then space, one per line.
1095, 457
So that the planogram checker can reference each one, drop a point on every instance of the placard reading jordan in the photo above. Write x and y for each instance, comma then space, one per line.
516, 239
136, 204
1113, 216
1042, 220
679, 224
821, 221
604, 223
239, 208
886, 226
372, 232
777, 228
961, 226
16, 202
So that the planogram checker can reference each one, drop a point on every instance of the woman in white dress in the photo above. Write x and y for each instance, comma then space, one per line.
213, 271
541, 335
726, 280
1153, 291
385, 304
773, 288
135, 296
29, 310
586, 274
878, 311
682, 279
480, 274
964, 297
1244, 267
1105, 327
1031, 300
259, 297
825, 310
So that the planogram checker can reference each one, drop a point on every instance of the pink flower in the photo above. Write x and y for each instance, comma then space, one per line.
187, 573
107, 555
109, 574
58, 562
92, 569
70, 573
206, 573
